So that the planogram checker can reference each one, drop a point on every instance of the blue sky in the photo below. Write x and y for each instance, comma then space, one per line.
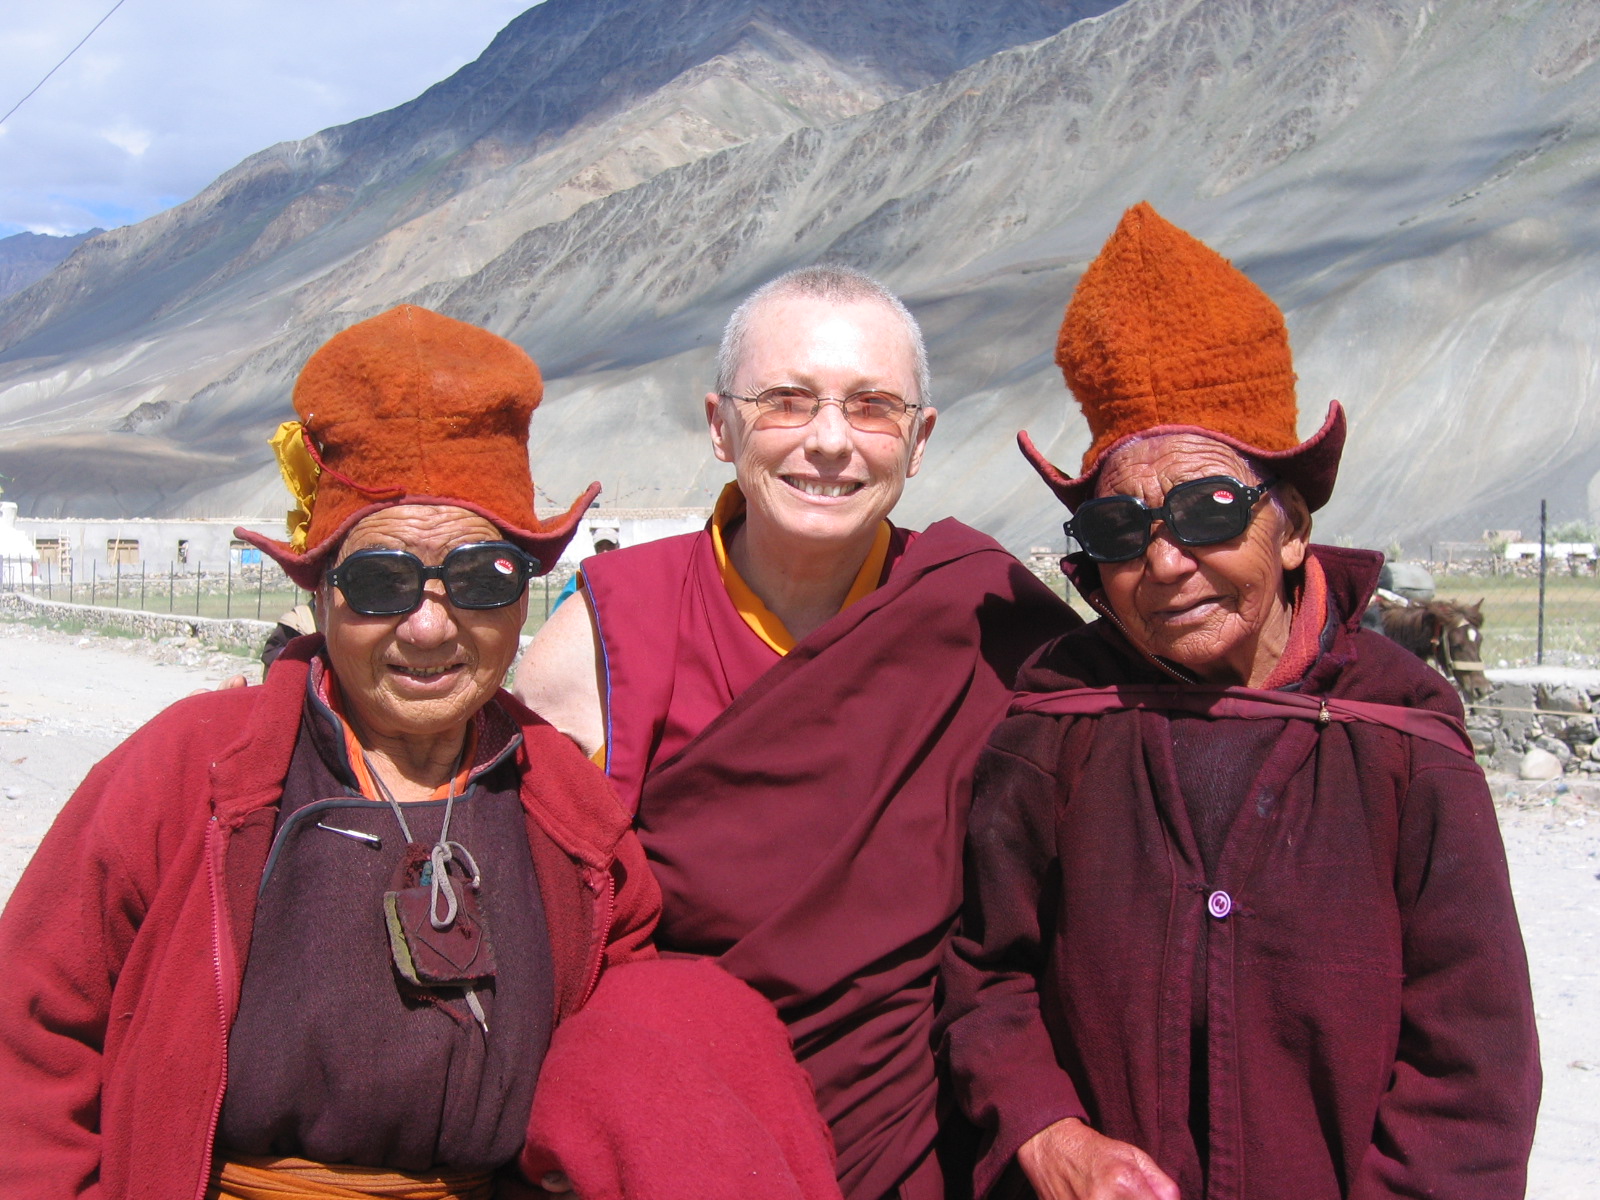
171, 93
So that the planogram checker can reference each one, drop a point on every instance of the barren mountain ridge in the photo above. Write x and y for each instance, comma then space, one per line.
1411, 180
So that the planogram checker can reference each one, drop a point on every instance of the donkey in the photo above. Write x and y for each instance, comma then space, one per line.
1441, 631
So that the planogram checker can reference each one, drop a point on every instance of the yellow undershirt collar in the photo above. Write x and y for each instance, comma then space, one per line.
762, 621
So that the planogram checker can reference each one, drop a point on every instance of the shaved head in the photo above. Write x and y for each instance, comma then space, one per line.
839, 285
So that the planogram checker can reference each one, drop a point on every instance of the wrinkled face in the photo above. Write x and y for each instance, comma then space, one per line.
425, 673
824, 481
1218, 610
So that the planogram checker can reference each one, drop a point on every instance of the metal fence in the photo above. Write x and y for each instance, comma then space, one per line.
260, 590
229, 589
1529, 619
1526, 621
1532, 614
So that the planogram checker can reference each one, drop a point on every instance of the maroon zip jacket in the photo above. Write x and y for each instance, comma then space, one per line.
1368, 1026
124, 944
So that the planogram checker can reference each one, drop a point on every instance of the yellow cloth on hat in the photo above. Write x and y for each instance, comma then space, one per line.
300, 475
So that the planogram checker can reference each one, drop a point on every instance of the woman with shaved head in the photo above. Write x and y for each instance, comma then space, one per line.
792, 700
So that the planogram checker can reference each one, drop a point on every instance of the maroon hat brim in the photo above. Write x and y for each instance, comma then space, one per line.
544, 543
1312, 466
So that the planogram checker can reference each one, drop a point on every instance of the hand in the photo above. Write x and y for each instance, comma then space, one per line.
232, 681
1070, 1161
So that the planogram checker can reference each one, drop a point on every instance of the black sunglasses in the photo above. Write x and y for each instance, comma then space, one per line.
1198, 512
389, 583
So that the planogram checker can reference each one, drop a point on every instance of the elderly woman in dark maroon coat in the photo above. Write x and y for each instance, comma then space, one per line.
1238, 922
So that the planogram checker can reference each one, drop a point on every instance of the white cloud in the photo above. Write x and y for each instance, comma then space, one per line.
129, 140
171, 93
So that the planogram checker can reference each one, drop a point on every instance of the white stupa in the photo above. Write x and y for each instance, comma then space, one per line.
17, 555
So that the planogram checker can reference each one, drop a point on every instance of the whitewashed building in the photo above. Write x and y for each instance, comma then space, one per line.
18, 558
85, 547
61, 548
1553, 551
628, 527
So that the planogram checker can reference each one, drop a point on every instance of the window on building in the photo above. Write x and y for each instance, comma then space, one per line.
53, 554
183, 550
243, 553
122, 551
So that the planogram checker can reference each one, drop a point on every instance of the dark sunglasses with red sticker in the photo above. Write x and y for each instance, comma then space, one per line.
1197, 512
389, 583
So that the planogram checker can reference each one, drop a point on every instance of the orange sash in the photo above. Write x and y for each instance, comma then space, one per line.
246, 1177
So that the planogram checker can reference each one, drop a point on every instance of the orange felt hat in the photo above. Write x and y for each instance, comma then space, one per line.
1164, 335
411, 407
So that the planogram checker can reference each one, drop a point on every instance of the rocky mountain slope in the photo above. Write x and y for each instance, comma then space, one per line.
1410, 179
26, 257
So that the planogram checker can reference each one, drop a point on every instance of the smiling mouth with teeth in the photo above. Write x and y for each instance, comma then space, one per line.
423, 672
812, 487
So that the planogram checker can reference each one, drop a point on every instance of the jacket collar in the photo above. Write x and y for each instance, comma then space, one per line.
560, 788
249, 773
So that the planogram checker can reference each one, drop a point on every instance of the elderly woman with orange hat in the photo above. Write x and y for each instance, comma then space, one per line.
1238, 922
312, 938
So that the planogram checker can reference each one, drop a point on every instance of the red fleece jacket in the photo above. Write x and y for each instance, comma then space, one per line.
125, 941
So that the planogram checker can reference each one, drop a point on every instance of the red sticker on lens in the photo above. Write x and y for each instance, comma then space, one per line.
505, 566
1222, 496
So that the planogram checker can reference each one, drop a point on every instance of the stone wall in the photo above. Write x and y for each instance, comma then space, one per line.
213, 631
1537, 731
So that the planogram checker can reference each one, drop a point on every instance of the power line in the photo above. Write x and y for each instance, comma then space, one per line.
62, 63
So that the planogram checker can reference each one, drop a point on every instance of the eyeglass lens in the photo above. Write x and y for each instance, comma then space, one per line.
788, 407
1200, 512
390, 582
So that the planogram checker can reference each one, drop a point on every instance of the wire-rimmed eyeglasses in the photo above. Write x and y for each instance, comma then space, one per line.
789, 407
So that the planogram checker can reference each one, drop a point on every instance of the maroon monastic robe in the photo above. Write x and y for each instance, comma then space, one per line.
805, 814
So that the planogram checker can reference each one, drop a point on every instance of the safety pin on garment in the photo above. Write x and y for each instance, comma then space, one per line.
370, 839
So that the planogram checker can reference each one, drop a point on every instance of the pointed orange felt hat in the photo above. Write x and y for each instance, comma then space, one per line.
1164, 335
411, 407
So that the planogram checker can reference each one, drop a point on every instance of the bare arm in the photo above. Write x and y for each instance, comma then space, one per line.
561, 676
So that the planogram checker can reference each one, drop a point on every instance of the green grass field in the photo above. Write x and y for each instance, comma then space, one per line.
1511, 614
158, 599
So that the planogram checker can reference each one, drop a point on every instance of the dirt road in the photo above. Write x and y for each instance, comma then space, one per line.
65, 701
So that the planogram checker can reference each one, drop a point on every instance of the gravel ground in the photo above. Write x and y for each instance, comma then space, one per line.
1553, 844
66, 700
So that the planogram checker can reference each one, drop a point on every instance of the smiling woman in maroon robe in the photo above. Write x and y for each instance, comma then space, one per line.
1238, 924
792, 701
